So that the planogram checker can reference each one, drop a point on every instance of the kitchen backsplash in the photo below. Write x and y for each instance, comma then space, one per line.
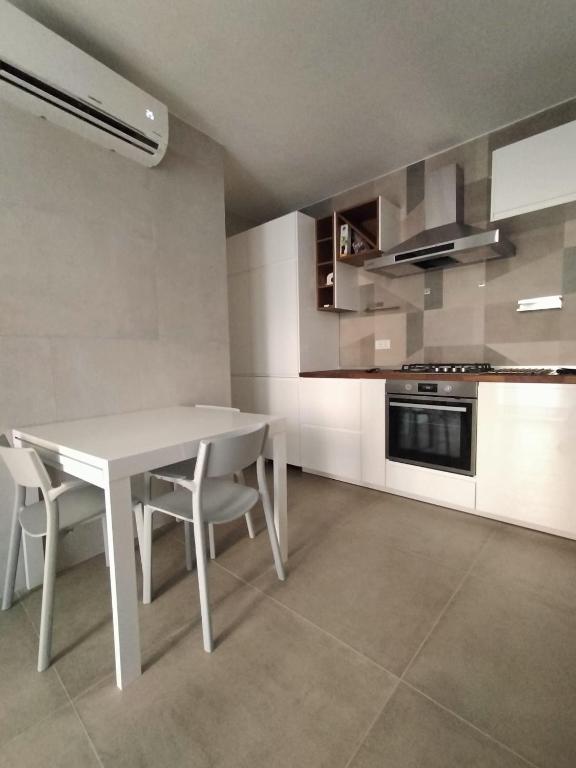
468, 313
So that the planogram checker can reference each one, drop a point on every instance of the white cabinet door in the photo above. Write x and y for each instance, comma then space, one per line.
535, 173
373, 414
526, 465
264, 320
270, 242
333, 452
278, 397
330, 403
446, 488
330, 415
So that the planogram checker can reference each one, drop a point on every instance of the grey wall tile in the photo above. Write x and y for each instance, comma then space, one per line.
545, 263
569, 270
434, 289
462, 326
414, 332
112, 276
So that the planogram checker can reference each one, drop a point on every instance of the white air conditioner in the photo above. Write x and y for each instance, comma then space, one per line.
44, 74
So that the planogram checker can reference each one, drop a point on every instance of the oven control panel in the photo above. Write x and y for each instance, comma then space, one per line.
467, 389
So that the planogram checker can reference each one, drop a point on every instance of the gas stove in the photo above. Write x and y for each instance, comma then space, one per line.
447, 368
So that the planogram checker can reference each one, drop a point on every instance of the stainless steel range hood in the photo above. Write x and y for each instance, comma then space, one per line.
446, 241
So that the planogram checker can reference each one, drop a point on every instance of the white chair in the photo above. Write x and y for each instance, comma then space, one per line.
64, 507
184, 470
211, 498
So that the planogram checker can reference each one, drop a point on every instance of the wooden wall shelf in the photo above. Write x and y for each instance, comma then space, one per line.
375, 225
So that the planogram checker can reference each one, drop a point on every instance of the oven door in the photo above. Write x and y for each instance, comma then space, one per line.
432, 432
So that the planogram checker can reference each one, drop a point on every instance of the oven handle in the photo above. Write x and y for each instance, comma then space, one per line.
427, 407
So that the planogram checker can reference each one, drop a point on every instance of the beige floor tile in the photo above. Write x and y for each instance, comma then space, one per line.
59, 741
26, 695
505, 659
546, 564
276, 691
83, 641
313, 509
453, 538
413, 732
381, 600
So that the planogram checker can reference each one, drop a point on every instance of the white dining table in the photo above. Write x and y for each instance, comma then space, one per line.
108, 450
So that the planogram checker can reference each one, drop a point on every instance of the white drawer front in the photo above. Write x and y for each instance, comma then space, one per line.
450, 490
335, 452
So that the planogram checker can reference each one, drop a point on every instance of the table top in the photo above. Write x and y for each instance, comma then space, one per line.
163, 435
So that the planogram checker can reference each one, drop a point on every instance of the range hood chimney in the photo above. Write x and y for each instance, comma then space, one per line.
446, 241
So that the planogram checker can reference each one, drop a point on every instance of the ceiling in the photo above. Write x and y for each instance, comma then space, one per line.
310, 97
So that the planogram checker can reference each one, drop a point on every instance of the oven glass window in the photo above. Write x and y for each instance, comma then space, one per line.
437, 435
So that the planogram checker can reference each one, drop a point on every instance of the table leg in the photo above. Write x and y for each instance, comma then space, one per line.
123, 581
280, 492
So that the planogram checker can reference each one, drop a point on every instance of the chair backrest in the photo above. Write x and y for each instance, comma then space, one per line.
26, 468
232, 453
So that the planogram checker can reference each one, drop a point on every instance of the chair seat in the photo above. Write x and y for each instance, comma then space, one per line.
75, 507
181, 470
78, 506
222, 500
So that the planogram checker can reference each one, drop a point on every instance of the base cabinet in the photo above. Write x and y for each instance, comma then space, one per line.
373, 431
277, 396
526, 471
334, 452
450, 490
330, 427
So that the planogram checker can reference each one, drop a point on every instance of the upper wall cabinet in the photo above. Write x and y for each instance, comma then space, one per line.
275, 329
535, 173
344, 241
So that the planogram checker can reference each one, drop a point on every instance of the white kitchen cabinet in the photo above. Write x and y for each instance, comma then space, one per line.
264, 331
526, 472
275, 329
431, 485
330, 403
276, 396
373, 431
330, 427
336, 453
534, 173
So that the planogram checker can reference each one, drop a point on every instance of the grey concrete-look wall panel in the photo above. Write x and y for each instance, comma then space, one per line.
112, 281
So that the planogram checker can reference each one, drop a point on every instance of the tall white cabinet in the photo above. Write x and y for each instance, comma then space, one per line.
275, 329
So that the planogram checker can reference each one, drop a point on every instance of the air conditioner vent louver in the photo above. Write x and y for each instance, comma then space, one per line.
71, 105
44, 74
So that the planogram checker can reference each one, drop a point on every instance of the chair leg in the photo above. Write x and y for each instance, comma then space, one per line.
250, 524
146, 556
143, 514
188, 537
13, 550
268, 514
201, 567
47, 614
105, 537
211, 542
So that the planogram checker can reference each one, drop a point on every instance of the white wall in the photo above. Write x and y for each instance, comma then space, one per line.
112, 282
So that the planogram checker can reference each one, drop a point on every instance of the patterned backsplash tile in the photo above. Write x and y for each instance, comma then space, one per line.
468, 313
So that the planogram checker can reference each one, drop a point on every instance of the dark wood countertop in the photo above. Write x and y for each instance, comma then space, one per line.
509, 378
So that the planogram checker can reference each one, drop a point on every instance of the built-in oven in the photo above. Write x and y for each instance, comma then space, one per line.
432, 424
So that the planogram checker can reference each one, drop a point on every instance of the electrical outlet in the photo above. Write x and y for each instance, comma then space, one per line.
382, 344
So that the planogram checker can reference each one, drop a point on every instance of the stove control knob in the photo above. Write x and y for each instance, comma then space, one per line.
408, 387
448, 388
